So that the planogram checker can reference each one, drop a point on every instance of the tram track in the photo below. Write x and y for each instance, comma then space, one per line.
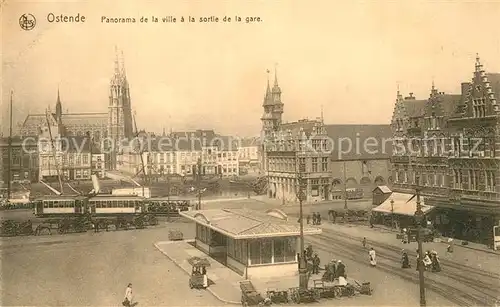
484, 293
385, 246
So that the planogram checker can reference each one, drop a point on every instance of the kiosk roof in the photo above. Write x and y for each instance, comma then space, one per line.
248, 224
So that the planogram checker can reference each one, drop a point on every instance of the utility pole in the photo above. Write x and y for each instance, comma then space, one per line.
198, 183
90, 140
168, 185
54, 153
345, 188
302, 261
392, 213
9, 149
419, 216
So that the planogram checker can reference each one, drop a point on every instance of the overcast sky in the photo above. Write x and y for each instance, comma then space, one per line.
346, 56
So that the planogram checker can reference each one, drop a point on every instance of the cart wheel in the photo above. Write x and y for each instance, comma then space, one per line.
337, 292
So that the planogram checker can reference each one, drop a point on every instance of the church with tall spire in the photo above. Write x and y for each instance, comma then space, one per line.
119, 107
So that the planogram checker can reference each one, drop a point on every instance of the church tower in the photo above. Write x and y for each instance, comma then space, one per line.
273, 108
119, 109
272, 117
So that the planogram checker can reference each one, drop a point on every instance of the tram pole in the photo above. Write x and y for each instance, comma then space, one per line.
9, 159
419, 216
302, 261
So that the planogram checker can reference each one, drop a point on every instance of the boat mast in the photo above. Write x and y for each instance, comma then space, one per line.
9, 148
54, 154
142, 158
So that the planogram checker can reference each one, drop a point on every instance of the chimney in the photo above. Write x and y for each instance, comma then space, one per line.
465, 88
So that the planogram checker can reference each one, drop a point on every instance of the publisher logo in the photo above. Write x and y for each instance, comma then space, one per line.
27, 22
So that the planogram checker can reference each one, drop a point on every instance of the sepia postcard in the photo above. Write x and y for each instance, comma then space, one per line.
253, 153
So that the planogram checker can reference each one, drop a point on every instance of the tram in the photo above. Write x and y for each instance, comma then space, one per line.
107, 205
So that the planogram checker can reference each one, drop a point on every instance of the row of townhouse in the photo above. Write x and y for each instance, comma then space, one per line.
179, 153
449, 146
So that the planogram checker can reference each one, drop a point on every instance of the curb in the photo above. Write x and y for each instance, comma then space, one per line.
187, 272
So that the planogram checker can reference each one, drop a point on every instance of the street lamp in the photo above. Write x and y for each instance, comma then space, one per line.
345, 188
419, 216
302, 261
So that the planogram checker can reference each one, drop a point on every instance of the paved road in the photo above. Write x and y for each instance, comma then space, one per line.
468, 286
93, 270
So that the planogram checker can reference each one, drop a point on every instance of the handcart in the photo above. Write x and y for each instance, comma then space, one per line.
250, 296
198, 279
175, 235
325, 289
362, 287
298, 295
277, 296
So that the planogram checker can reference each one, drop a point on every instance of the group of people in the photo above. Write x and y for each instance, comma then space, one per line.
335, 270
430, 262
316, 218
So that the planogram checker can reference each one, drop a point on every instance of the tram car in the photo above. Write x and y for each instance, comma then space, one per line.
57, 206
166, 206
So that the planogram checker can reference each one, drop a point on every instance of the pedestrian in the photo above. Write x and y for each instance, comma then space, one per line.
309, 251
364, 242
436, 264
405, 261
332, 270
316, 262
340, 272
127, 302
314, 218
373, 257
319, 219
308, 219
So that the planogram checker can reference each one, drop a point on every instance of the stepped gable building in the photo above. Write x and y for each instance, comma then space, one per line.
449, 145
328, 158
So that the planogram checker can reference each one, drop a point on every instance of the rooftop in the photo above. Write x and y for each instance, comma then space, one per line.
249, 224
403, 204
360, 142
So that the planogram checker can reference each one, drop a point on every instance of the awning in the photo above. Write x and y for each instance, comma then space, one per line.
398, 203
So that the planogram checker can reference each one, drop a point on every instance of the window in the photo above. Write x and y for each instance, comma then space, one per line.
457, 146
489, 147
472, 180
314, 165
479, 107
85, 159
302, 165
324, 164
255, 252
490, 180
266, 251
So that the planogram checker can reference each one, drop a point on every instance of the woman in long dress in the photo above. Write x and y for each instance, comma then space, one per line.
373, 257
405, 261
